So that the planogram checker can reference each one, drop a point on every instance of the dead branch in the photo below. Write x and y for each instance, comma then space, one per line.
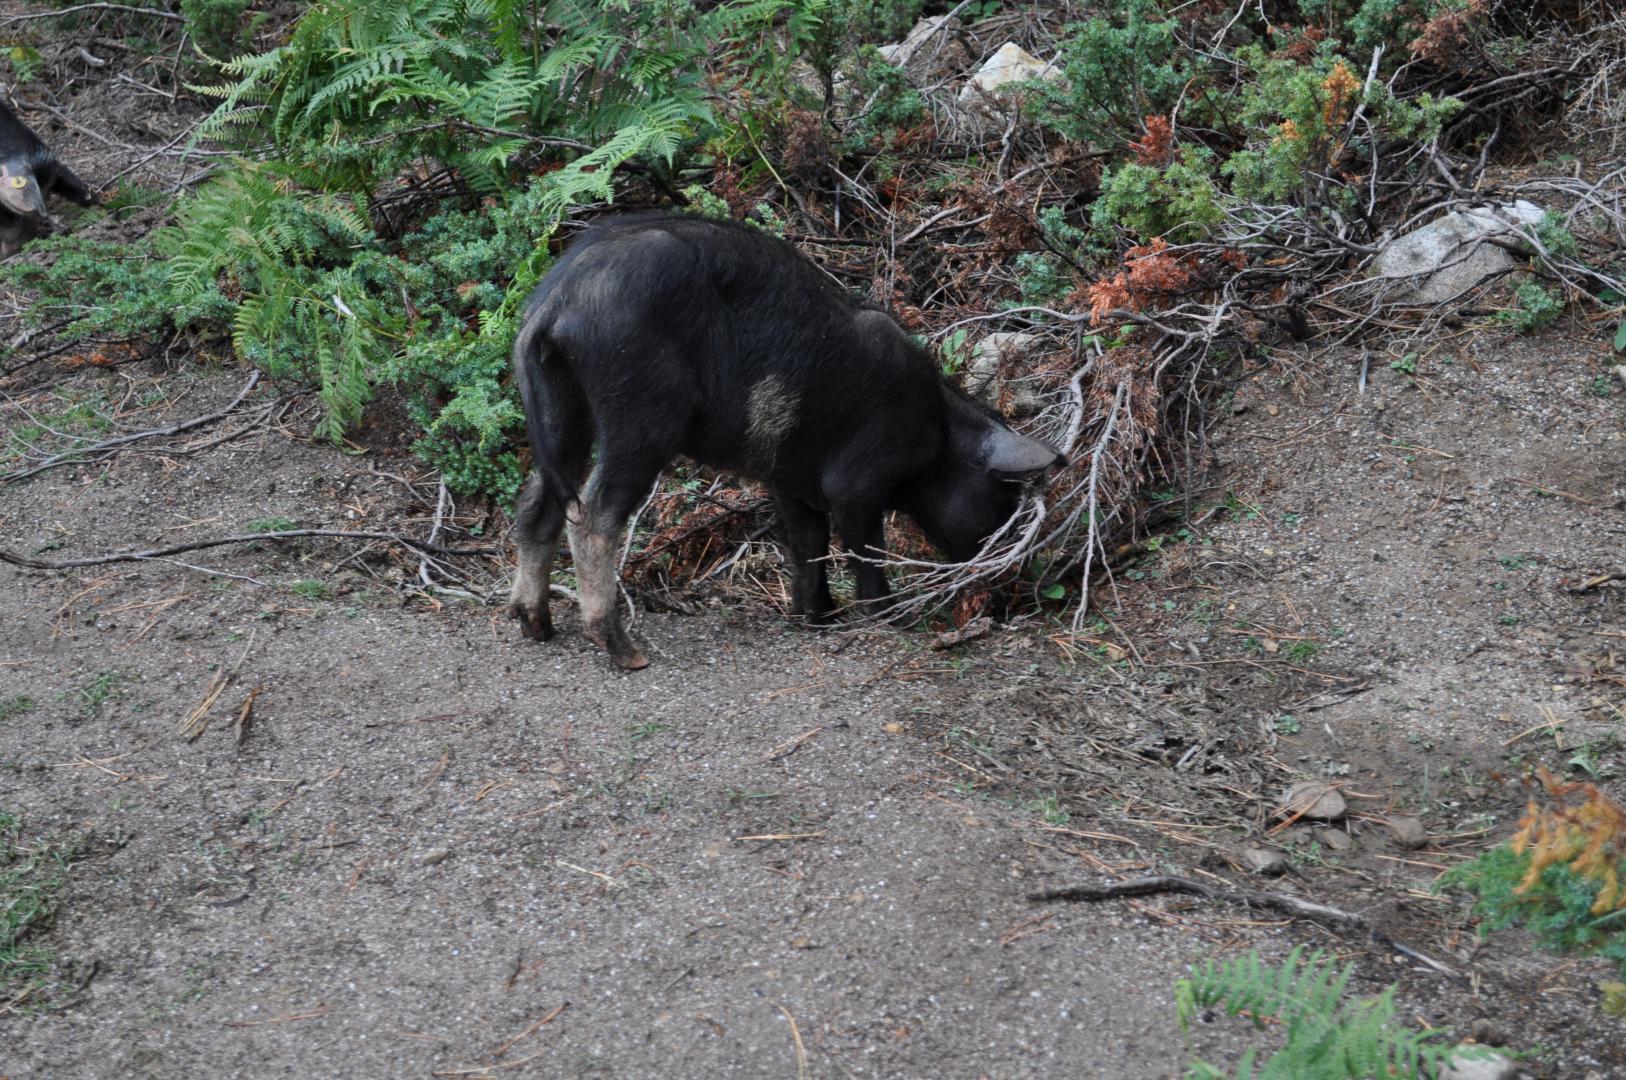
17, 559
89, 455
59, 12
1335, 919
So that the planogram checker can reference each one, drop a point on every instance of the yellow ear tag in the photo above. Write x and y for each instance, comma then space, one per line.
19, 181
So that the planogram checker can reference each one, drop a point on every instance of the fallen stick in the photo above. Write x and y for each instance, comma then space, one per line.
1330, 917
106, 449
17, 559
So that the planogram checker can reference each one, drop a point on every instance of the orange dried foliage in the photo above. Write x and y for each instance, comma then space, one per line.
1148, 272
971, 604
1303, 42
1340, 86
1156, 146
1445, 34
107, 356
1589, 838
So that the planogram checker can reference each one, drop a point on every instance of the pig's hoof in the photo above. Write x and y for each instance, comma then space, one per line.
627, 656
535, 623
632, 661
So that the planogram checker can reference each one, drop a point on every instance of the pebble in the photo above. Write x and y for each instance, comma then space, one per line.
1273, 410
1313, 801
1407, 833
435, 855
1337, 840
1264, 863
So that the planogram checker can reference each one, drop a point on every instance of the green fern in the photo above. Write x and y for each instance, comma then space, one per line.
1327, 1038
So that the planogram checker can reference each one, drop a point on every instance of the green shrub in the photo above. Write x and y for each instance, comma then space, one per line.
1537, 306
522, 111
1561, 876
1178, 201
217, 27
1115, 72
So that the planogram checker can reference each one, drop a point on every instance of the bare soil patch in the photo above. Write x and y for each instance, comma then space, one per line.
432, 836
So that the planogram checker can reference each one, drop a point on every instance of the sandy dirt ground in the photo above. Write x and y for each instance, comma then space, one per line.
437, 847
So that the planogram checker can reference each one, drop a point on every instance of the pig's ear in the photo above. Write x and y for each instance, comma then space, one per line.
1010, 454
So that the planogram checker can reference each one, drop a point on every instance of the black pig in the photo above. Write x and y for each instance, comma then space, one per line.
28, 173
661, 335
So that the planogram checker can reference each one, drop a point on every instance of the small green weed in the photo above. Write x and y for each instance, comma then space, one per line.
1050, 809
31, 880
101, 688
310, 590
14, 706
1287, 724
1301, 652
1537, 306
646, 730
1406, 365
271, 524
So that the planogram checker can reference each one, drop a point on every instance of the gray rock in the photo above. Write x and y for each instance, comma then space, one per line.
1492, 1066
1407, 833
435, 855
1452, 255
1337, 840
1264, 863
982, 373
1313, 800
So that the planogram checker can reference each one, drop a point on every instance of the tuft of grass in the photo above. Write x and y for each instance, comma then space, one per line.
271, 524
101, 688
15, 705
1301, 652
310, 590
31, 879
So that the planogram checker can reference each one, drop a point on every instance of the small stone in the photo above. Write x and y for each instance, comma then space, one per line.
1238, 408
1009, 65
1490, 1066
1270, 646
1313, 801
1378, 406
1407, 833
892, 727
435, 855
1273, 409
1337, 840
1264, 863
1485, 1031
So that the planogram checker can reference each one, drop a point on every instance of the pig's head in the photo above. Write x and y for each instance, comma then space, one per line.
975, 483
20, 192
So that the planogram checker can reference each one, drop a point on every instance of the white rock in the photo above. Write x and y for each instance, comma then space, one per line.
1452, 255
1011, 64
1492, 1066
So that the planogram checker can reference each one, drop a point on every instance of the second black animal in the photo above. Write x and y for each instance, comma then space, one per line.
28, 173
667, 335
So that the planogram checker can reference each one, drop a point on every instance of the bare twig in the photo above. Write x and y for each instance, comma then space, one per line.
17, 559
1332, 918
